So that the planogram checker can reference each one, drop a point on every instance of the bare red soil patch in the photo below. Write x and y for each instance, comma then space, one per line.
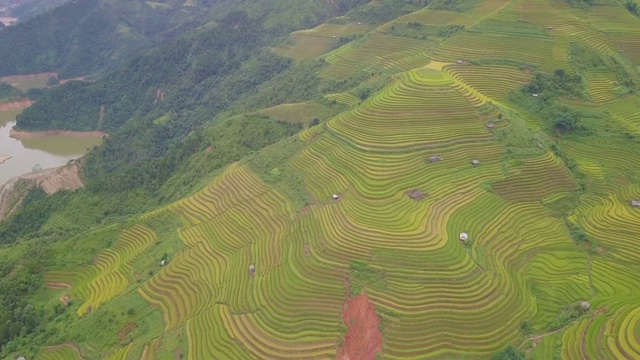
364, 339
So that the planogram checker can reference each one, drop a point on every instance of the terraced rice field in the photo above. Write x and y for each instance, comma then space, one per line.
110, 273
376, 53
513, 281
62, 352
311, 43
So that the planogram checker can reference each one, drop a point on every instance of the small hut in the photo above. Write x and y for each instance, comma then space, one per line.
535, 94
491, 126
459, 62
549, 27
252, 269
435, 158
22, 358
335, 196
621, 51
163, 262
635, 203
464, 236
415, 194
475, 162
585, 305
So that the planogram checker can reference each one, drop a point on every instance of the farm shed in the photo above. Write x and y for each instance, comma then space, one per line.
464, 236
475, 162
585, 305
635, 203
335, 196
435, 158
252, 269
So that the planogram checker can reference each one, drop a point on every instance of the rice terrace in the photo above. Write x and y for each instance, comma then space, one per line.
469, 190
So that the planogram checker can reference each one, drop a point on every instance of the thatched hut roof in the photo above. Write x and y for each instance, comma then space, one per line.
585, 305
435, 158
475, 162
635, 203
415, 194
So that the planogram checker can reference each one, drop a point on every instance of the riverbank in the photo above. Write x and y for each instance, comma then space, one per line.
50, 180
4, 158
21, 135
18, 104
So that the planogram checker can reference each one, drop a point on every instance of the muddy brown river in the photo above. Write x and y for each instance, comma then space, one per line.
18, 157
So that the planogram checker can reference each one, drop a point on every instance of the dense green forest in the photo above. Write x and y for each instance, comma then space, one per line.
8, 92
85, 36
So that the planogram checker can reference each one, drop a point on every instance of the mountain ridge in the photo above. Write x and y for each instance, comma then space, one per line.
471, 177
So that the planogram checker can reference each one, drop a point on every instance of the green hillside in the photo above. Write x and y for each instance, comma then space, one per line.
468, 167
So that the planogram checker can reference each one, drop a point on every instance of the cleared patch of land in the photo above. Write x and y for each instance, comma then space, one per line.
7, 20
301, 113
312, 43
26, 82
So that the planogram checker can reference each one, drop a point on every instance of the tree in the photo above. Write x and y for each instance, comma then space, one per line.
560, 73
632, 6
566, 122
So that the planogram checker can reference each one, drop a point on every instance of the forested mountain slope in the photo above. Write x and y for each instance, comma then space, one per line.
452, 179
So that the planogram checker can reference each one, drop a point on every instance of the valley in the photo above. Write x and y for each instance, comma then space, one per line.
439, 179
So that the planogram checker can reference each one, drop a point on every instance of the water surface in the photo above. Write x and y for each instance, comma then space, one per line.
48, 151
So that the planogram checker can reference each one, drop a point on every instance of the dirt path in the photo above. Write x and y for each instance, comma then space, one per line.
364, 339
